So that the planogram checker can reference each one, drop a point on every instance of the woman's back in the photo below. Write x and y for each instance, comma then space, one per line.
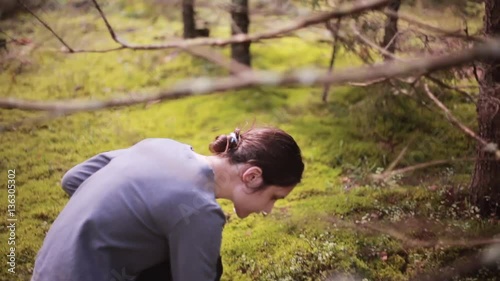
149, 203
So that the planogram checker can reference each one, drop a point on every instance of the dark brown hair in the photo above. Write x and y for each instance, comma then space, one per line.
271, 149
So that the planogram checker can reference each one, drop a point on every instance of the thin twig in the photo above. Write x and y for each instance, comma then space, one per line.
476, 76
347, 10
335, 33
450, 33
8, 36
233, 66
46, 26
400, 156
369, 83
386, 175
108, 25
474, 67
444, 85
394, 57
384, 53
454, 121
371, 44
392, 40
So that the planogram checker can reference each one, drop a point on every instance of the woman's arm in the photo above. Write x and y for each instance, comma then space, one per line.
78, 174
194, 246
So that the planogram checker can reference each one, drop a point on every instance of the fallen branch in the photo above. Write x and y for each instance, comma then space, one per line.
32, 121
400, 156
411, 242
390, 173
489, 257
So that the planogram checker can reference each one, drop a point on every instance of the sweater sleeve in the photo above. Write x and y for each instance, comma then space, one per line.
79, 173
194, 245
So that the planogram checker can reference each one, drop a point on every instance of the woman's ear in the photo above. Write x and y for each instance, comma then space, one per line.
252, 177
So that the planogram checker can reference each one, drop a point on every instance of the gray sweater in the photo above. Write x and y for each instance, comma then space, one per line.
131, 209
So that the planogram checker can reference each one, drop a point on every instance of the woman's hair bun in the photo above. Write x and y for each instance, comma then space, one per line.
224, 143
271, 149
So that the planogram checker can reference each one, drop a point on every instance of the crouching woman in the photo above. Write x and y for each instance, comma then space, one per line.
149, 212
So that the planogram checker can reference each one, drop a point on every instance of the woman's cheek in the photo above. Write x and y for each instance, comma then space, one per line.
247, 206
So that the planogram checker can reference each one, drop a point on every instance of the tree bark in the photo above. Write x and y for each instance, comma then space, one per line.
188, 19
391, 29
485, 185
240, 52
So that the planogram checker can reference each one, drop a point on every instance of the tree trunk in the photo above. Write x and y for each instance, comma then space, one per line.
240, 52
188, 19
485, 186
391, 29
7, 7
419, 6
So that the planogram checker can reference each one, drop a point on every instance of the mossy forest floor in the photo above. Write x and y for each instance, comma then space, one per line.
333, 223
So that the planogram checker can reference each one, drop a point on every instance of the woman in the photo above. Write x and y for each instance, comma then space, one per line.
149, 212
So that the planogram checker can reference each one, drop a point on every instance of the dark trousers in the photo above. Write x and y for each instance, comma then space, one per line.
161, 272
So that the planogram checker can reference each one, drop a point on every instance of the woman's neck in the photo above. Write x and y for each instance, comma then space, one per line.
226, 175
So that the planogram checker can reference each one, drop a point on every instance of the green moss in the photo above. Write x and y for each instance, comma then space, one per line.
352, 135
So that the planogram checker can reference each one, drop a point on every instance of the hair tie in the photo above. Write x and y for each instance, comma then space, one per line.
234, 138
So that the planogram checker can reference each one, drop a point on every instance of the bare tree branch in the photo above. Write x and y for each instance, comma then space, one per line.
385, 54
369, 83
474, 67
392, 56
347, 10
476, 75
46, 25
392, 40
371, 44
449, 33
444, 85
400, 156
8, 36
108, 25
453, 120
259, 78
